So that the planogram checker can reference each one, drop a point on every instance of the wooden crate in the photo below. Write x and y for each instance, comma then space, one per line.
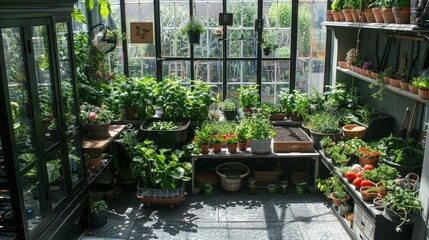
291, 139
265, 172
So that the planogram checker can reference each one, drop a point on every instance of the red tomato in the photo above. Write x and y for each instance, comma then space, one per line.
359, 174
368, 167
357, 182
366, 183
350, 175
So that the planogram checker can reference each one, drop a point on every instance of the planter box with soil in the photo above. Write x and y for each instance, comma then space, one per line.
291, 139
166, 138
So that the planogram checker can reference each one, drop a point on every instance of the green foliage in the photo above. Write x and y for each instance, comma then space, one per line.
324, 123
401, 151
260, 127
270, 108
171, 96
91, 114
160, 168
336, 5
203, 135
98, 207
402, 3
242, 131
199, 100
163, 125
193, 26
249, 95
103, 7
421, 82
231, 140
229, 105
381, 173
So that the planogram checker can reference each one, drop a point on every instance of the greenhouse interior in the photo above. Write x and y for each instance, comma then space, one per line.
214, 119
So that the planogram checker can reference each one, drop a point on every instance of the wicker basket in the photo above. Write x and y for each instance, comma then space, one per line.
231, 175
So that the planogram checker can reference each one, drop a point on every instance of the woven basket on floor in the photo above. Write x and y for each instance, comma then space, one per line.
231, 175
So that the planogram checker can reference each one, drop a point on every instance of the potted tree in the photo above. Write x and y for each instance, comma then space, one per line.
261, 133
162, 174
193, 28
99, 213
249, 97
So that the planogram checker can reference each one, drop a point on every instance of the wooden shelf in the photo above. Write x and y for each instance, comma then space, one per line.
99, 145
378, 26
391, 88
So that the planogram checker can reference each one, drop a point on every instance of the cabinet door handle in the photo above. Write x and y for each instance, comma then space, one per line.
360, 236
363, 224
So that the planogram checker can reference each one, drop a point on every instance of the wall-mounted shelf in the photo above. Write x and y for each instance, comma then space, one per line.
378, 26
391, 88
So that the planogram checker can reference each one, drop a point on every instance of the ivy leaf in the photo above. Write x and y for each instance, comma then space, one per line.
78, 15
104, 6
89, 4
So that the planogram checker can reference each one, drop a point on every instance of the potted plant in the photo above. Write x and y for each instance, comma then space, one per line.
401, 11
249, 97
385, 187
376, 10
381, 173
422, 84
242, 133
368, 193
203, 138
368, 155
97, 119
193, 28
336, 6
404, 155
386, 11
217, 141
260, 132
401, 207
229, 109
275, 112
99, 213
161, 172
324, 124
231, 143
268, 47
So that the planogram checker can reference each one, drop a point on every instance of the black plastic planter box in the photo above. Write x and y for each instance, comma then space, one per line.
173, 139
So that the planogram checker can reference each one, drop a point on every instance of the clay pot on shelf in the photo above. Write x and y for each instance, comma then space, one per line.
424, 94
378, 203
204, 149
217, 147
348, 15
336, 16
353, 130
342, 64
395, 82
405, 85
329, 16
364, 161
388, 16
386, 80
337, 202
361, 18
413, 89
368, 193
369, 15
377, 15
381, 190
242, 146
402, 14
355, 15
374, 74
341, 14
232, 148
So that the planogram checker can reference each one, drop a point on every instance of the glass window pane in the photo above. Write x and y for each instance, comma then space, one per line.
57, 188
176, 69
32, 193
75, 163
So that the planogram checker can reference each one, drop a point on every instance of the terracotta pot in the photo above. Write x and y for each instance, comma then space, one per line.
216, 147
395, 82
374, 75
362, 18
348, 15
336, 16
377, 14
369, 15
329, 16
342, 64
388, 16
338, 202
368, 196
96, 163
367, 72
405, 86
364, 161
424, 94
342, 17
386, 80
402, 15
232, 148
204, 149
413, 89
355, 15
242, 146
381, 192
353, 130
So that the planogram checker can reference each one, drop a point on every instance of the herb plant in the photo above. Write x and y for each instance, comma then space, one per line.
381, 173
98, 207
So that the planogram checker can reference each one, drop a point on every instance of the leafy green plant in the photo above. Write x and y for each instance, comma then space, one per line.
193, 26
98, 207
229, 105
160, 168
402, 3
365, 114
260, 127
242, 131
381, 173
203, 135
249, 95
388, 72
163, 125
231, 140
199, 100
421, 82
91, 114
401, 151
324, 123
171, 95
270, 108
402, 203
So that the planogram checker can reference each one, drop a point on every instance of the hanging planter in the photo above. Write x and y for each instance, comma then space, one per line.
193, 28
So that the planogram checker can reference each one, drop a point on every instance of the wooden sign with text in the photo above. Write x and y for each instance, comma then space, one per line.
141, 32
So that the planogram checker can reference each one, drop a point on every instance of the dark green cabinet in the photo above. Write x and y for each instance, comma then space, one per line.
42, 172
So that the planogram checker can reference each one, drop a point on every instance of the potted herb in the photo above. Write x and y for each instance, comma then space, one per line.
401, 11
229, 109
249, 97
368, 193
268, 47
422, 84
193, 28
401, 207
260, 132
242, 133
381, 173
203, 138
274, 111
217, 141
162, 173
404, 155
231, 143
324, 124
338, 193
99, 213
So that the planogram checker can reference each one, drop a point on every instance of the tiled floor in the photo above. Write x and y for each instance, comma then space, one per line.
222, 216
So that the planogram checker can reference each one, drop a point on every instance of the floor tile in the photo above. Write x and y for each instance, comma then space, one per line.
113, 230
326, 230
